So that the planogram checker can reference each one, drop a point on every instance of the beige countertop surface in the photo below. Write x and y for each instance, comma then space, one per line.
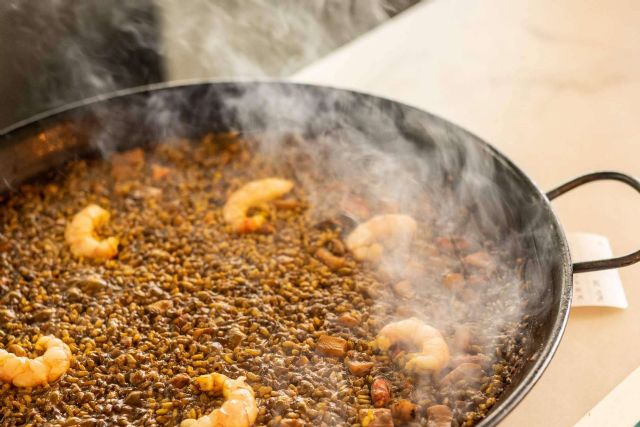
556, 87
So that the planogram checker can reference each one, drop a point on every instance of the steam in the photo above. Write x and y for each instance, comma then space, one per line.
59, 52
401, 161
394, 159
258, 38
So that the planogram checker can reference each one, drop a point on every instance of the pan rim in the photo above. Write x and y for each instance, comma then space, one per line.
549, 348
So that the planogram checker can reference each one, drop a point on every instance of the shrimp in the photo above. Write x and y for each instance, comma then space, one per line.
252, 194
24, 372
369, 239
80, 234
434, 352
239, 408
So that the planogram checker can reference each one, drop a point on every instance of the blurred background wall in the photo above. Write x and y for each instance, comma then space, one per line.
56, 51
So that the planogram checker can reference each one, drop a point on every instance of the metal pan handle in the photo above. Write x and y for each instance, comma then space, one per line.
603, 264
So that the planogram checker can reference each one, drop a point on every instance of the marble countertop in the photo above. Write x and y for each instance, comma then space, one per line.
556, 87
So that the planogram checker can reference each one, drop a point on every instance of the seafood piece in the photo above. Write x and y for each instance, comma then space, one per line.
434, 352
380, 392
81, 237
239, 408
24, 372
369, 239
249, 195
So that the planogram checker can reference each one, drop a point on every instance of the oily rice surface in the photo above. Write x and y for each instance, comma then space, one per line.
185, 297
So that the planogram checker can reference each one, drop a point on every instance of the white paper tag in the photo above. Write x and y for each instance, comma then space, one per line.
597, 288
618, 408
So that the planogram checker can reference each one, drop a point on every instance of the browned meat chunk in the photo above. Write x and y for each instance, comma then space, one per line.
348, 320
331, 346
359, 369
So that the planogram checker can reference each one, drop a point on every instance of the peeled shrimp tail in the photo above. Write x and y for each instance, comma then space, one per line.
252, 194
368, 240
81, 237
239, 408
25, 372
433, 352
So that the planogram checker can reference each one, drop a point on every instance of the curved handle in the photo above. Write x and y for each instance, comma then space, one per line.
603, 264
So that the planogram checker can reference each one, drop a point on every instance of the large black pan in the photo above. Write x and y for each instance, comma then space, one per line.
141, 115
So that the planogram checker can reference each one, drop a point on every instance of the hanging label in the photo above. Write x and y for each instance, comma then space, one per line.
596, 288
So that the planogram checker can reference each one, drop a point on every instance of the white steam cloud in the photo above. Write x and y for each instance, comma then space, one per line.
390, 156
421, 166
